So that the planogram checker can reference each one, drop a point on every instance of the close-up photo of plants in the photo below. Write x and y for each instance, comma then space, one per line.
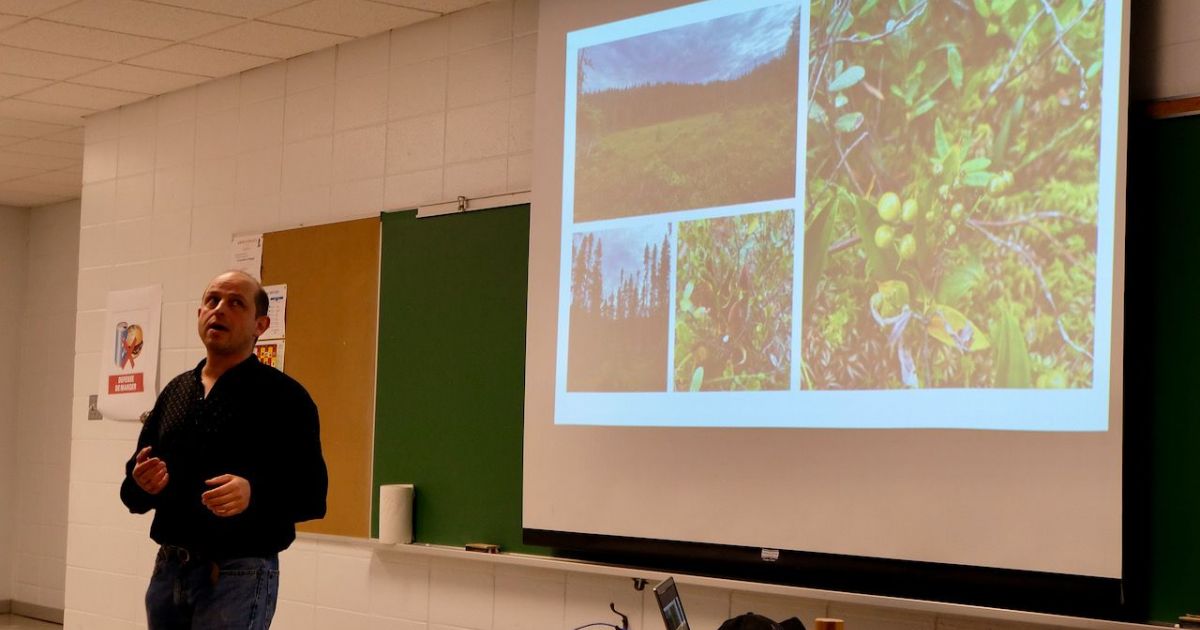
950, 225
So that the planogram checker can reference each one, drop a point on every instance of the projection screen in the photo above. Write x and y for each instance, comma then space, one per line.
832, 276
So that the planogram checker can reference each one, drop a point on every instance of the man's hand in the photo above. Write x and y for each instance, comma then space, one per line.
230, 495
150, 473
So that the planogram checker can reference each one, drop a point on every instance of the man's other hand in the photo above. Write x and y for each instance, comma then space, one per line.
150, 473
230, 495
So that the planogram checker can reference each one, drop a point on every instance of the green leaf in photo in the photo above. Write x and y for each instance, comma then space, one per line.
685, 301
817, 238
1000, 7
697, 379
954, 66
959, 281
922, 107
982, 7
847, 79
816, 113
1094, 69
849, 122
976, 164
978, 179
866, 7
940, 144
1000, 144
1012, 354
840, 101
844, 24
949, 326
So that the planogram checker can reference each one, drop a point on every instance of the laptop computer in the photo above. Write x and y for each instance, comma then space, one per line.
670, 605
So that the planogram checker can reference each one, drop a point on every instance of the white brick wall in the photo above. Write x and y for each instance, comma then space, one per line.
43, 419
14, 248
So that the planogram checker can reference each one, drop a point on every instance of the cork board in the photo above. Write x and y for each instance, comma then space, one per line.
332, 275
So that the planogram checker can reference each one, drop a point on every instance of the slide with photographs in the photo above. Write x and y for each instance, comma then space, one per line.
841, 214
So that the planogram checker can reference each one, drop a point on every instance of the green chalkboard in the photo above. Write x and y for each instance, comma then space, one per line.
1162, 411
451, 388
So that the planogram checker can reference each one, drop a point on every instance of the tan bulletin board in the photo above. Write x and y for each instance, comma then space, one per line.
332, 277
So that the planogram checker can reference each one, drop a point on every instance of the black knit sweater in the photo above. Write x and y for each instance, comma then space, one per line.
257, 423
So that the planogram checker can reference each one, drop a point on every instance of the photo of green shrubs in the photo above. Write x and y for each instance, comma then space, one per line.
620, 295
697, 116
733, 315
951, 202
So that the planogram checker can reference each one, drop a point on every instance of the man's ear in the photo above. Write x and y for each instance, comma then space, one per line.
261, 324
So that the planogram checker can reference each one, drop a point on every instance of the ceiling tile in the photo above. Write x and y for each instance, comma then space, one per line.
67, 177
240, 8
44, 65
24, 199
29, 128
357, 18
41, 112
134, 79
31, 7
78, 41
438, 6
83, 96
142, 18
48, 147
11, 84
10, 172
39, 184
39, 162
73, 135
271, 40
200, 60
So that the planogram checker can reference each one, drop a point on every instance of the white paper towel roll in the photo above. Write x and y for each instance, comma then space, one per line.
395, 513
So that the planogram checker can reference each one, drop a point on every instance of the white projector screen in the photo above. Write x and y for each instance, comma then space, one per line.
832, 276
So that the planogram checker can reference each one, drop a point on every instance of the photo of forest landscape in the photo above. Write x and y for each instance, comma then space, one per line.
620, 293
696, 116
952, 198
733, 318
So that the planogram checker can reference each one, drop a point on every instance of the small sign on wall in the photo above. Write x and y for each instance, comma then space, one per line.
129, 354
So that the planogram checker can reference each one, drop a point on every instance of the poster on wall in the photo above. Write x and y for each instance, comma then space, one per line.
270, 352
277, 311
129, 354
246, 254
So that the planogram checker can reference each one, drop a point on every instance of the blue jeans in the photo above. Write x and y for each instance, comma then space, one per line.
187, 593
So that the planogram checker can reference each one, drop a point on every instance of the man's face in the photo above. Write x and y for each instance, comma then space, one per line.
226, 320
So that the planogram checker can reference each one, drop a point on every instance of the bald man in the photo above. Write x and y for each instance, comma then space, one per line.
230, 460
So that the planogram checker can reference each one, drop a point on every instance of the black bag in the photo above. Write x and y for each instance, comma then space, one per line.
755, 621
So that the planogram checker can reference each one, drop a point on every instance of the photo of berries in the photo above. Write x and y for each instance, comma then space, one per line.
951, 211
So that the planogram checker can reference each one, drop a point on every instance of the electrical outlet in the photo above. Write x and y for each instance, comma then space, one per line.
93, 412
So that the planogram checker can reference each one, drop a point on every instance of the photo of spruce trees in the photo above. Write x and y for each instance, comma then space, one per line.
620, 296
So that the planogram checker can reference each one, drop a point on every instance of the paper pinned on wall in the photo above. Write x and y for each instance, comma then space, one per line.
270, 352
277, 311
247, 254
128, 381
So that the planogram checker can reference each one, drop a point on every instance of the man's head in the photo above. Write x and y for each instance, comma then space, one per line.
232, 314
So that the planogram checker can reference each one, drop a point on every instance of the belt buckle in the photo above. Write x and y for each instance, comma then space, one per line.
179, 553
